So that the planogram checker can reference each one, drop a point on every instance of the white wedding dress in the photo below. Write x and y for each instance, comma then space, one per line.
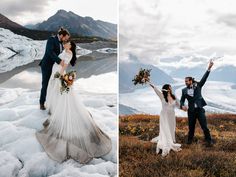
166, 139
71, 132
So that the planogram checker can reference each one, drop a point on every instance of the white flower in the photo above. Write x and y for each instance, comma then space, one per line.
70, 77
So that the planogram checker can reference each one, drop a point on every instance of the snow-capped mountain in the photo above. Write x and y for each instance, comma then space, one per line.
179, 67
219, 90
220, 97
126, 110
222, 73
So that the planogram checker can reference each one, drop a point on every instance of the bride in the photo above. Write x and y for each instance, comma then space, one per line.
70, 131
166, 139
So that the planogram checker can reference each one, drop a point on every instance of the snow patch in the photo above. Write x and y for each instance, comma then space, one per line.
20, 118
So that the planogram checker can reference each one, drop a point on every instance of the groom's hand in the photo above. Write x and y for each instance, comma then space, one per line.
184, 108
210, 65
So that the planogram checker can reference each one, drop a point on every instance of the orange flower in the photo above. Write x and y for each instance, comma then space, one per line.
70, 82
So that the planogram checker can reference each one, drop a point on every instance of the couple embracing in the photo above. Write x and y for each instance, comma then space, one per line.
192, 92
69, 130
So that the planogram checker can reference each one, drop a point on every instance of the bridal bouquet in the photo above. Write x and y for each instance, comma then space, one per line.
142, 77
66, 80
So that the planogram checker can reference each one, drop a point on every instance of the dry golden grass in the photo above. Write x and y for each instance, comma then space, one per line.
137, 157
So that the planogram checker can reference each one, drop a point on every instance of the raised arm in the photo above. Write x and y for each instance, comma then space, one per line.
157, 90
205, 76
50, 51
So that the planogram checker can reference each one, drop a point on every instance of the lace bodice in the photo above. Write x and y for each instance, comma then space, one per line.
65, 56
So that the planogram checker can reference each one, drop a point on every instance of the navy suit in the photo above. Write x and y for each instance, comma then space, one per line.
195, 108
53, 49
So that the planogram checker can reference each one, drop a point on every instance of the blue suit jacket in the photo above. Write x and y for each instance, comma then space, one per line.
197, 96
51, 53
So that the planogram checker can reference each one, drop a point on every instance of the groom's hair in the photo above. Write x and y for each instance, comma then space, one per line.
63, 32
190, 79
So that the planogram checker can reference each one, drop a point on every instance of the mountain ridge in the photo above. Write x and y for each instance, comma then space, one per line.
35, 34
84, 26
7, 23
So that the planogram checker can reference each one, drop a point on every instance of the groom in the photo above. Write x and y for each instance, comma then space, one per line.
195, 105
53, 48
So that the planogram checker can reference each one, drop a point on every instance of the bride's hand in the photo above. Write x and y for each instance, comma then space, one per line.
145, 79
62, 63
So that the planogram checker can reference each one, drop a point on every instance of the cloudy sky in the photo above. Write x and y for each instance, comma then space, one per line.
158, 29
34, 11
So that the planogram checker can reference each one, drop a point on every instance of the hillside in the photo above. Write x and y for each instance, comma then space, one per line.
42, 34
138, 157
127, 71
7, 23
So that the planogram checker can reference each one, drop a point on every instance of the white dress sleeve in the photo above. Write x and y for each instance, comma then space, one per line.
67, 58
157, 91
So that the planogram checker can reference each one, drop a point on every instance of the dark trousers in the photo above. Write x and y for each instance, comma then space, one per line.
46, 73
193, 115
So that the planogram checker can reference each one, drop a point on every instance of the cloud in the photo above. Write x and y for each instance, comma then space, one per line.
157, 29
14, 8
228, 19
140, 29
34, 11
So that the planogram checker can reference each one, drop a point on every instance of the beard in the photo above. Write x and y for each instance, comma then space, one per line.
188, 85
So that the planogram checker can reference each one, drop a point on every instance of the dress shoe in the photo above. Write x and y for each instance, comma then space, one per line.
210, 143
42, 107
189, 142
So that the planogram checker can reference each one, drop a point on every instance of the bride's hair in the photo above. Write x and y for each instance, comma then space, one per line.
73, 49
165, 90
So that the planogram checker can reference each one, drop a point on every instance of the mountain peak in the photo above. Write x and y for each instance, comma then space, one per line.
61, 11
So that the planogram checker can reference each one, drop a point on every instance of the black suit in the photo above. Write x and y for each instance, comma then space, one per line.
53, 49
196, 110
